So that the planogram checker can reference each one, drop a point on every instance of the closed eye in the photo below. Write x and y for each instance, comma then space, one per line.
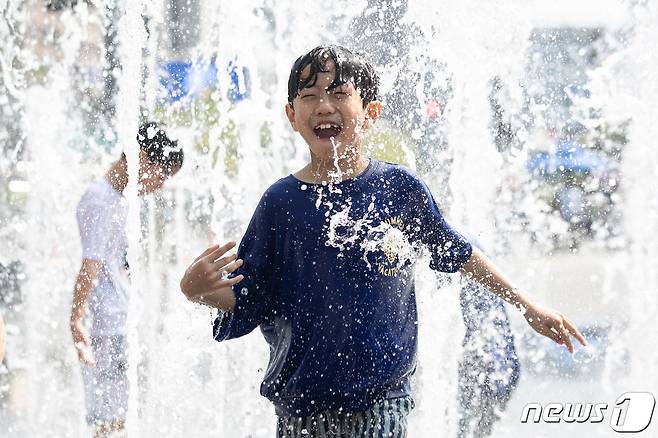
344, 88
340, 94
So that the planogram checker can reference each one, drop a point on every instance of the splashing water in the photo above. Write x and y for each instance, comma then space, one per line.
344, 232
76, 77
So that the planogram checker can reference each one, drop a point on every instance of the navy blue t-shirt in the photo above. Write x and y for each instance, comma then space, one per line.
329, 280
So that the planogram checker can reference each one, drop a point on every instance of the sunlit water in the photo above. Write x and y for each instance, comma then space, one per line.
184, 383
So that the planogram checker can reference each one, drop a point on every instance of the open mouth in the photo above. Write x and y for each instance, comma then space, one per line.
327, 130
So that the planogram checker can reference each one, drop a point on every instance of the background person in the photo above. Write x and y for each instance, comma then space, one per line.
489, 368
101, 291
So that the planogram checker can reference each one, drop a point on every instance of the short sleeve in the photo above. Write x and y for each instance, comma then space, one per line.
93, 228
449, 250
253, 294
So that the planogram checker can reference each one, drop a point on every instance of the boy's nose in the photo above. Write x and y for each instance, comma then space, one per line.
324, 106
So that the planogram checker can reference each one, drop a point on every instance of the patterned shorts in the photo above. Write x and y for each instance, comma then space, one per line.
106, 382
385, 419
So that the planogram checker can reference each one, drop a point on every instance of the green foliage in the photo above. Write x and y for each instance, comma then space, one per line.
206, 114
386, 145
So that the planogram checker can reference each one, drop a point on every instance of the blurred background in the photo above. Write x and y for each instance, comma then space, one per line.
532, 122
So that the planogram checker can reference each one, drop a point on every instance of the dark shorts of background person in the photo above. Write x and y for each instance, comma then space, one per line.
386, 418
479, 407
106, 382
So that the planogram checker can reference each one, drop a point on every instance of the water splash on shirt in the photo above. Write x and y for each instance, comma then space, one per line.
345, 233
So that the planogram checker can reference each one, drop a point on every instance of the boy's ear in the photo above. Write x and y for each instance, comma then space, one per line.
290, 113
373, 111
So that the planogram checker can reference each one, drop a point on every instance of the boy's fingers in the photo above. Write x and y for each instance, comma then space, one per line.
575, 332
223, 275
225, 282
221, 284
206, 252
220, 251
232, 281
565, 337
233, 266
222, 262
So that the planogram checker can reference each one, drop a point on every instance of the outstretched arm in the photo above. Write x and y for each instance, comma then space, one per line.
545, 321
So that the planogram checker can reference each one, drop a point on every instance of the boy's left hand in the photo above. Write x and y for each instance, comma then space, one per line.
554, 325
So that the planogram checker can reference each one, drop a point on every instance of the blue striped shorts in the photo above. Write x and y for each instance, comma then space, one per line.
385, 419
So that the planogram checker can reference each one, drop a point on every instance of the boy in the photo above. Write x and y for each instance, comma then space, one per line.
326, 266
101, 287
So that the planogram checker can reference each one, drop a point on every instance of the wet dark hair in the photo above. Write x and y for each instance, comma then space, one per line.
159, 147
350, 67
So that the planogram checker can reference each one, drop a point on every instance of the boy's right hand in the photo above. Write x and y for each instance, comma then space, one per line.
82, 342
205, 281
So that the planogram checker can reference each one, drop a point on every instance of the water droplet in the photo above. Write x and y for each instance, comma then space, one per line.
303, 187
244, 291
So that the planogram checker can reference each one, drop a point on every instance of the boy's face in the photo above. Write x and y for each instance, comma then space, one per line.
330, 120
152, 176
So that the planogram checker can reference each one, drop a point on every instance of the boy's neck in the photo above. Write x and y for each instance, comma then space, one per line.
118, 175
321, 170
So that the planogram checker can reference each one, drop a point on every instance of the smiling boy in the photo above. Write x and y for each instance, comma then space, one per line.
326, 266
